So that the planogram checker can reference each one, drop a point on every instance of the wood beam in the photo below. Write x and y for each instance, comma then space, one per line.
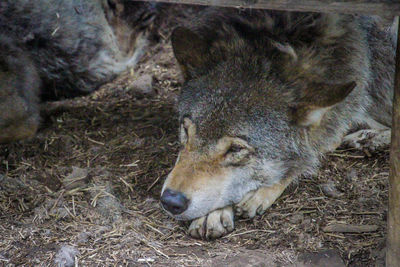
386, 8
393, 230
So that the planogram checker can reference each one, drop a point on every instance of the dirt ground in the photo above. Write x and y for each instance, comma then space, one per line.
85, 190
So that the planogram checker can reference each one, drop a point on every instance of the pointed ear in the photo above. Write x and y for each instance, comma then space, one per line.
190, 50
318, 100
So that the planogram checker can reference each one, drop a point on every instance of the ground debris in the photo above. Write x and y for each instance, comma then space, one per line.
329, 258
104, 199
330, 190
349, 228
76, 179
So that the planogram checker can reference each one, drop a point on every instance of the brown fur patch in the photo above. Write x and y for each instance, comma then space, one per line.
194, 172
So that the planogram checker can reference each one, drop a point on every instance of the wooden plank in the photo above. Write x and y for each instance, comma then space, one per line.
387, 8
393, 235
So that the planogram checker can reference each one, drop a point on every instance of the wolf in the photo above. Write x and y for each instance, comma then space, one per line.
266, 94
55, 49
19, 89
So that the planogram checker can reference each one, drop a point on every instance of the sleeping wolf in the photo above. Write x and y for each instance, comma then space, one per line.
265, 95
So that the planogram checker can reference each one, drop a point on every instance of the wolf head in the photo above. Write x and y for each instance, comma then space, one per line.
253, 111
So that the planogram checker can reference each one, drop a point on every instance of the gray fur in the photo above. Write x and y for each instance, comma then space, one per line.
72, 46
248, 72
19, 89
71, 42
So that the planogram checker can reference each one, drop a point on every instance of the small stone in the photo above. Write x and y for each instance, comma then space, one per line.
143, 85
66, 256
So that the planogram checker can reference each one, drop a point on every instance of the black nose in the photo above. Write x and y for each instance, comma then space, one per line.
174, 202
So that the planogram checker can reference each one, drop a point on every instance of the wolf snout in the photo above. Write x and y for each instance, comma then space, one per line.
174, 202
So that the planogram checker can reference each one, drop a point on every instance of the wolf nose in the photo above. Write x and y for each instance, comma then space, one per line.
174, 202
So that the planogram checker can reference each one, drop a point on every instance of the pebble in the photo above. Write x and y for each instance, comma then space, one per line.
143, 85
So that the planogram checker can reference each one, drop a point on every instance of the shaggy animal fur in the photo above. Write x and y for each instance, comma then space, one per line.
289, 85
73, 46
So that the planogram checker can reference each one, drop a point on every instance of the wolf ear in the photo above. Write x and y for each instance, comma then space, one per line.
318, 100
190, 50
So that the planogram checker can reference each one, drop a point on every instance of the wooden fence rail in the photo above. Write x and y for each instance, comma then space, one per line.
387, 8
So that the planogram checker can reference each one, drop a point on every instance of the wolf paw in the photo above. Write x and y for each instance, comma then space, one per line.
370, 139
253, 203
214, 225
257, 202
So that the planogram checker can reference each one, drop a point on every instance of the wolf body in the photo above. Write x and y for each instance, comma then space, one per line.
67, 48
266, 94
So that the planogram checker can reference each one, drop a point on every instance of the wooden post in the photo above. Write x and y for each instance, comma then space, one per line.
393, 235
